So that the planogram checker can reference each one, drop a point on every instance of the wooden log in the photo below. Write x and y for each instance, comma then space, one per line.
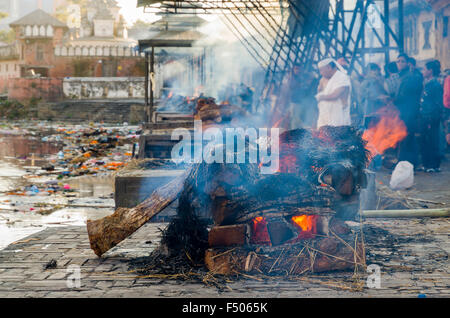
279, 210
338, 226
219, 263
108, 232
340, 177
219, 210
280, 232
208, 113
230, 235
413, 213
346, 185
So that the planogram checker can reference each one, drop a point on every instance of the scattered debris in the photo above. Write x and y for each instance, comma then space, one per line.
52, 156
391, 199
50, 264
25, 241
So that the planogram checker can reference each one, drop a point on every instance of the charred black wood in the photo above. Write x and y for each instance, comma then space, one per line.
280, 232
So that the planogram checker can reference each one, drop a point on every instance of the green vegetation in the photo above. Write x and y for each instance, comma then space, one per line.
82, 68
6, 36
141, 24
11, 109
62, 13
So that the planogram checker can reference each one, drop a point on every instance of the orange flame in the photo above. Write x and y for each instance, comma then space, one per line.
170, 95
387, 133
278, 122
260, 234
308, 225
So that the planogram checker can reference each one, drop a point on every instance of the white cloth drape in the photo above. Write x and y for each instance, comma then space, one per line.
335, 112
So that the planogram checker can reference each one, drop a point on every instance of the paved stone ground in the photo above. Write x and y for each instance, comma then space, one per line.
412, 255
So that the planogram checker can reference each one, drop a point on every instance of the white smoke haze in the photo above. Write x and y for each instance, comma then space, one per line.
227, 145
226, 64
130, 12
227, 60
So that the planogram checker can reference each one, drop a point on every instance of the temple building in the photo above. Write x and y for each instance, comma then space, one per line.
46, 47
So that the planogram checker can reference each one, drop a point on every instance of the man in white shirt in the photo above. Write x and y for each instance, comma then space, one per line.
333, 95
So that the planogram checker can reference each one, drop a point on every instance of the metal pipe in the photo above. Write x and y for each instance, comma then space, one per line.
414, 213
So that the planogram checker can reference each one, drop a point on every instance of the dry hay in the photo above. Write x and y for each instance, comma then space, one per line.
389, 199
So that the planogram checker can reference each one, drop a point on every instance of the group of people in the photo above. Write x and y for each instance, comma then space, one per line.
338, 99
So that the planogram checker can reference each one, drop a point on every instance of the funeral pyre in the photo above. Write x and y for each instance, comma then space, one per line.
287, 222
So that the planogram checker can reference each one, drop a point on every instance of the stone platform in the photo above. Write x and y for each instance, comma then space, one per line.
133, 187
412, 255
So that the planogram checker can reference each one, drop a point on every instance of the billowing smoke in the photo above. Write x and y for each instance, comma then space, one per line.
227, 61
218, 65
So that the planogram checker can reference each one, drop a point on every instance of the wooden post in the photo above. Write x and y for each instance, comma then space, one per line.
386, 32
152, 75
368, 197
401, 40
146, 85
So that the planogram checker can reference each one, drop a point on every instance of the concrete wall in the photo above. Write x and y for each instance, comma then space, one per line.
425, 50
443, 42
9, 69
65, 66
9, 65
22, 89
103, 87
425, 37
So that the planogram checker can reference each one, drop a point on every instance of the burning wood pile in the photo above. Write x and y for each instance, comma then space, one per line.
283, 222
203, 108
265, 223
210, 113
178, 103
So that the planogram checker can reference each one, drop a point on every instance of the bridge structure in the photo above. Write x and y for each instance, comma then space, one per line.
281, 33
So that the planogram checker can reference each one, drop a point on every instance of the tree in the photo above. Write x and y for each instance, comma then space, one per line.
6, 36
141, 24
62, 13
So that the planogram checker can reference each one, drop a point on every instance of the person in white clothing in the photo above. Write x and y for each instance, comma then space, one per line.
334, 95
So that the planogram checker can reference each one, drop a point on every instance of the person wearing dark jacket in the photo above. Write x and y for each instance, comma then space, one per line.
431, 108
392, 81
414, 70
302, 87
407, 100
372, 93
